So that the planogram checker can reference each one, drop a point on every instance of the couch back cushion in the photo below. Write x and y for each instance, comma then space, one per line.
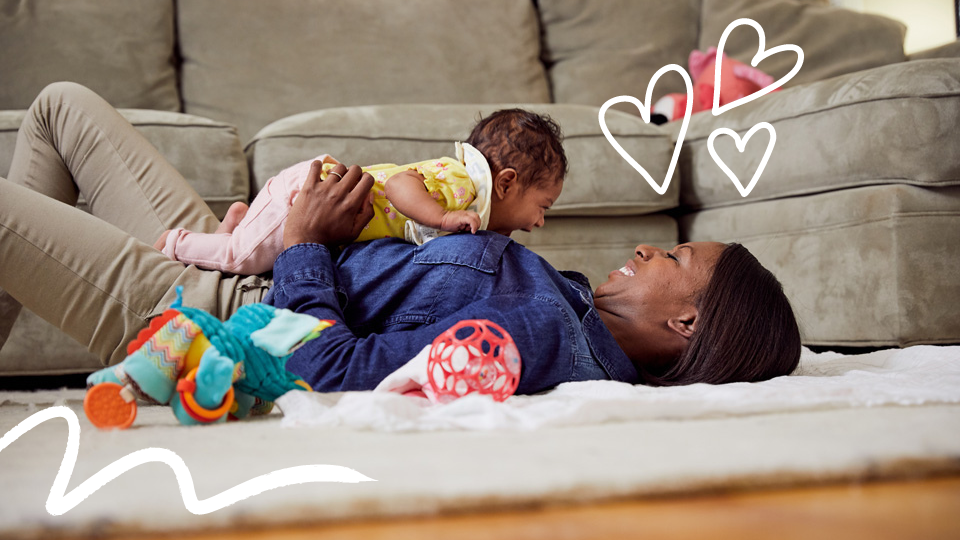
598, 50
835, 41
887, 125
251, 62
122, 49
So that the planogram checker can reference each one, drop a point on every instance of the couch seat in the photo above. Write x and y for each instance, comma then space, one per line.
870, 266
599, 182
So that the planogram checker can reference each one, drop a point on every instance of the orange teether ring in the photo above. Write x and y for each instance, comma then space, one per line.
107, 409
196, 410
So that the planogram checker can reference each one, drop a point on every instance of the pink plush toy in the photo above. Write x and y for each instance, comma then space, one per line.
739, 80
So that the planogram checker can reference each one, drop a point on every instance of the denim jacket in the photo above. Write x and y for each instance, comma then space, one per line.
390, 299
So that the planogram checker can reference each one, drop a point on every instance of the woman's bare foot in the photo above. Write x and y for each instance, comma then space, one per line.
234, 216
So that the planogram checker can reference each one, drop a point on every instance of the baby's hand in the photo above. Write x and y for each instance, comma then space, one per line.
460, 221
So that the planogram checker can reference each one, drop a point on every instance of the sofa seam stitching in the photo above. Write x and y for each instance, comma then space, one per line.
855, 223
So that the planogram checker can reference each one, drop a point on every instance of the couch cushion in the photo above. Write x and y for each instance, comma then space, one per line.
207, 153
9, 126
871, 266
36, 347
599, 181
598, 50
834, 40
881, 126
947, 50
122, 49
595, 246
250, 62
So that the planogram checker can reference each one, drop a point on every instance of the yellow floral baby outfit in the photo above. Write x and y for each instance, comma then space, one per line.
446, 180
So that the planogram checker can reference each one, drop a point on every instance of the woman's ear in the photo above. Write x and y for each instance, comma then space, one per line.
505, 182
684, 324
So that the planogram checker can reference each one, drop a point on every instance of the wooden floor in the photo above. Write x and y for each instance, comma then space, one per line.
917, 509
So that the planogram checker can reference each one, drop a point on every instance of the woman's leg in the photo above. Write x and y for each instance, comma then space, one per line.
98, 278
72, 140
90, 279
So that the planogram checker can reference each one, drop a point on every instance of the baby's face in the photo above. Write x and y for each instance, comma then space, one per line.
524, 210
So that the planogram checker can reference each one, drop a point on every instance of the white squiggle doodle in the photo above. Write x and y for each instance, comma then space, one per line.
59, 502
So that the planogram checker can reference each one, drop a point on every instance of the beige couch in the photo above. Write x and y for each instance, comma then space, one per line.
858, 210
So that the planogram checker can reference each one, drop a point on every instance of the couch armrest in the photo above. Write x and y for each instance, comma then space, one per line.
950, 50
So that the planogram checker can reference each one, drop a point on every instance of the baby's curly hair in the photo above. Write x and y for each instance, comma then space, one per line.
529, 142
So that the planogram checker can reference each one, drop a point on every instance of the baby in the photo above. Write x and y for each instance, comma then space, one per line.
504, 177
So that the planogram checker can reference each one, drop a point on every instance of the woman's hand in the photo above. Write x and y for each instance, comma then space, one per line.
331, 211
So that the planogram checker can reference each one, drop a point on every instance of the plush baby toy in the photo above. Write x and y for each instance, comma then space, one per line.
206, 370
739, 80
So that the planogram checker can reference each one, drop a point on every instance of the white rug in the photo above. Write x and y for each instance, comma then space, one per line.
890, 413
913, 376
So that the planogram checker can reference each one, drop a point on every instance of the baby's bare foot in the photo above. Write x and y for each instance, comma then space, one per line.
162, 241
234, 216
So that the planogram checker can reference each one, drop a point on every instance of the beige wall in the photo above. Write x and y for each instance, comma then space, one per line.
929, 22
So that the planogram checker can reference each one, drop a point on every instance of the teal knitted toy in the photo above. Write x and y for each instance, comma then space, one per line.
205, 369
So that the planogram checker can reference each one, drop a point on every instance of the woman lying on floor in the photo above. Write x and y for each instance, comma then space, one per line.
702, 312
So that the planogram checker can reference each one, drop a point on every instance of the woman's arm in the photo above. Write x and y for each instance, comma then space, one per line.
408, 193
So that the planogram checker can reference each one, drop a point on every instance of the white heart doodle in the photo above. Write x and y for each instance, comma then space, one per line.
761, 54
741, 144
645, 114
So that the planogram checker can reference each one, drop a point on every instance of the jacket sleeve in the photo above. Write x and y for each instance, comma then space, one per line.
306, 281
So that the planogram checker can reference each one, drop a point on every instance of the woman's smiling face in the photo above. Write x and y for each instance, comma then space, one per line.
648, 304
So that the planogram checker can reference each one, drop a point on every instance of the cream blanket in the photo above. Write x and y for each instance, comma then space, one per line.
911, 376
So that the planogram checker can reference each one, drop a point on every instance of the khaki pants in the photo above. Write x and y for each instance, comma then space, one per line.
97, 277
